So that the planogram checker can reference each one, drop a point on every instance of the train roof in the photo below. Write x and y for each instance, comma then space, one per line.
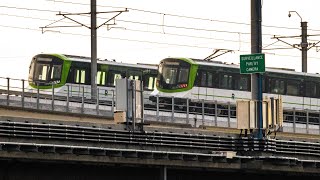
112, 62
268, 69
105, 61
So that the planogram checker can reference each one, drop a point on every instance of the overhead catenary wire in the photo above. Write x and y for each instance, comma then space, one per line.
143, 41
181, 16
172, 34
28, 9
44, 10
137, 30
144, 23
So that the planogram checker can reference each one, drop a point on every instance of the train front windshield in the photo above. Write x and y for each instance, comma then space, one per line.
173, 74
45, 70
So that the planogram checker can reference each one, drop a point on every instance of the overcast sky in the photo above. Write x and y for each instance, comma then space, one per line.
154, 29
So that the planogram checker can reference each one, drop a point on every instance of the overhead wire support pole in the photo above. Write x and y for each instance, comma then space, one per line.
256, 47
93, 6
304, 46
93, 27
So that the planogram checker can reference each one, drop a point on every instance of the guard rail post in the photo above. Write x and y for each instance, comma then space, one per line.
52, 98
8, 90
82, 100
216, 113
157, 113
307, 123
187, 111
172, 108
97, 102
38, 91
294, 120
112, 103
22, 95
319, 122
229, 114
68, 92
202, 111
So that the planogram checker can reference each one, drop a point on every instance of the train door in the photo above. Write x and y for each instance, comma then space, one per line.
79, 79
112, 76
101, 83
149, 82
201, 85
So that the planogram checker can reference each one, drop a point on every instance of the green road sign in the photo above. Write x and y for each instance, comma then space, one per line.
252, 63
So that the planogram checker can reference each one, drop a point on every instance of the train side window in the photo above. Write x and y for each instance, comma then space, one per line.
293, 87
197, 80
210, 79
56, 72
41, 72
80, 76
183, 75
203, 79
311, 89
226, 81
243, 83
277, 86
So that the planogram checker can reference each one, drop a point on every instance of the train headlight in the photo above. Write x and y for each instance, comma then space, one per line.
183, 85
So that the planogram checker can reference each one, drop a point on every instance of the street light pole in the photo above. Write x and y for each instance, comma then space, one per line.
304, 42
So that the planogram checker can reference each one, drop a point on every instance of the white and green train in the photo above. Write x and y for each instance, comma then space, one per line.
214, 82
59, 72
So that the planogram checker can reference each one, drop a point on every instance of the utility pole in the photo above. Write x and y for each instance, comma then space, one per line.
256, 47
304, 46
93, 49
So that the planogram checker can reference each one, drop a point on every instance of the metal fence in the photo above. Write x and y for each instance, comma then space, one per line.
15, 92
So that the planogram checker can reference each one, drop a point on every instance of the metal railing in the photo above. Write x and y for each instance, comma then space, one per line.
14, 92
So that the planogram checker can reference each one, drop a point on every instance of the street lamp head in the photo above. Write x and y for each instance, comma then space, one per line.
289, 15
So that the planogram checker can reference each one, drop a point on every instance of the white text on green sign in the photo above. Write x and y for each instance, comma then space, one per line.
252, 63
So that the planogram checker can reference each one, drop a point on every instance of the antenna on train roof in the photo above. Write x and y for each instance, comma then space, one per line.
217, 53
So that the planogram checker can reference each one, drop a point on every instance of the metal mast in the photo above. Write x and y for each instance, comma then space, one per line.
256, 47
